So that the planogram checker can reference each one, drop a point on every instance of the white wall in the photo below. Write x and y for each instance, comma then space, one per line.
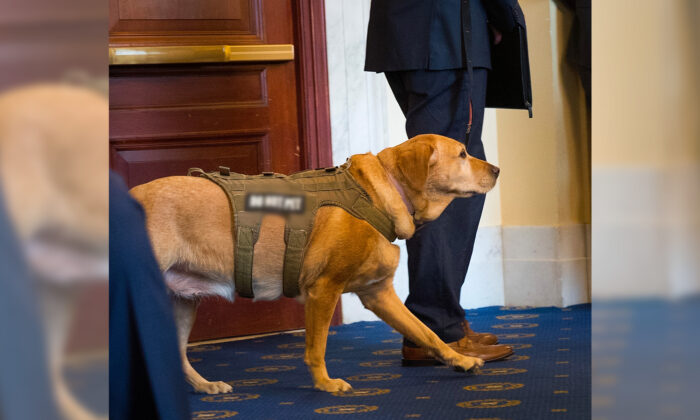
645, 154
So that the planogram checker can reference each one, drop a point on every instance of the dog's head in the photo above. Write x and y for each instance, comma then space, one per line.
433, 170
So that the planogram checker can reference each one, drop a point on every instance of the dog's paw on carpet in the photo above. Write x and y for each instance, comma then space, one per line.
210, 388
333, 385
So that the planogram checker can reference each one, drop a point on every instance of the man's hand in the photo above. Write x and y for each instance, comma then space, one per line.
497, 36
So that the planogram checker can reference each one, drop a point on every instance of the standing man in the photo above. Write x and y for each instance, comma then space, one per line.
438, 57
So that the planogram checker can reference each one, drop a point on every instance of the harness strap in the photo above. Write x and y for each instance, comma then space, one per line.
243, 265
293, 258
247, 228
247, 225
375, 217
198, 171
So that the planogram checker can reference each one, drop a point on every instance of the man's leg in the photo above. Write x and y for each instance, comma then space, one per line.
439, 254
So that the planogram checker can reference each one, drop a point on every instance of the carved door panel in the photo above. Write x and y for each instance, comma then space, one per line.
194, 97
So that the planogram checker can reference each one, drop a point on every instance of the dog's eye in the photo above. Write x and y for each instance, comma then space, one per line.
463, 155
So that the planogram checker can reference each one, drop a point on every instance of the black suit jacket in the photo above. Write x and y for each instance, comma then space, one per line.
424, 35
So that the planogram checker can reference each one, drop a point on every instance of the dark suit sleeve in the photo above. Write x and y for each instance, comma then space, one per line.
503, 14
145, 372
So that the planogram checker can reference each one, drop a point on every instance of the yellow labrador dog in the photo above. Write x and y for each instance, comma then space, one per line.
189, 222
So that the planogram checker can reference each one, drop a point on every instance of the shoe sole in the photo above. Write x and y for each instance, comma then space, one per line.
501, 357
434, 362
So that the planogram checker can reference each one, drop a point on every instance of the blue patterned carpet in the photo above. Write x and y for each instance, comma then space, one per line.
547, 378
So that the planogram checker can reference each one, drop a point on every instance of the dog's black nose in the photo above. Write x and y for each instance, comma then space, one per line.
496, 170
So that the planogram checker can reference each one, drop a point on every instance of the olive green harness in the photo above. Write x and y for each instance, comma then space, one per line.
298, 197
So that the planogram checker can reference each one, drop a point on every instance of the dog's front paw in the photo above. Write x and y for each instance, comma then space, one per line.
217, 387
468, 364
333, 385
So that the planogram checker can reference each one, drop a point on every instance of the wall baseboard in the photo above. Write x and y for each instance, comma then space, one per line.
529, 265
484, 285
546, 265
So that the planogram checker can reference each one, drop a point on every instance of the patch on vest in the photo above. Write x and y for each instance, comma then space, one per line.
275, 202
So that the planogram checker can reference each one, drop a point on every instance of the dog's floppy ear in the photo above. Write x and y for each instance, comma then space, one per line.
377, 181
413, 161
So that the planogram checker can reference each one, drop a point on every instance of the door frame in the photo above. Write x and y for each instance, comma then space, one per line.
312, 78
312, 82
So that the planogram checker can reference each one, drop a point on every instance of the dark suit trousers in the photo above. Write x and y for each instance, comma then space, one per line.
436, 102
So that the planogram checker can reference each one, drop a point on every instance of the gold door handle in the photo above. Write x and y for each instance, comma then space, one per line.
200, 54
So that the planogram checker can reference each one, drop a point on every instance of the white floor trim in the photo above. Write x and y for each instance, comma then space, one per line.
546, 265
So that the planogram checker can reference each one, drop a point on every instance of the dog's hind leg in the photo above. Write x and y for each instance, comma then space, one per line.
320, 304
386, 305
185, 311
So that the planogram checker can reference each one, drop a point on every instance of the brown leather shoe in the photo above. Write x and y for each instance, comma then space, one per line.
489, 353
417, 356
481, 338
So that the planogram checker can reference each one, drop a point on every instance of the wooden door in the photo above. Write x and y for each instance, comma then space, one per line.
188, 105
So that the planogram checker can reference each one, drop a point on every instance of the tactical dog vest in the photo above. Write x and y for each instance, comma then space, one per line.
298, 197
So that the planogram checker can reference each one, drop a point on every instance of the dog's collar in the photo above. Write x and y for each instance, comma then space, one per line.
402, 193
